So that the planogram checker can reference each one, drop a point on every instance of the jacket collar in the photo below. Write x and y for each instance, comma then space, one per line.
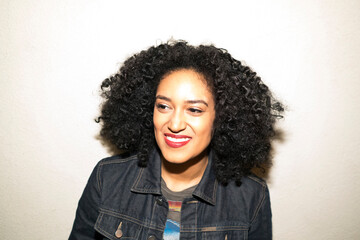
149, 179
207, 188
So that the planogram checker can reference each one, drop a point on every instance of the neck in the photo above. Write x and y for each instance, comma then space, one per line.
182, 176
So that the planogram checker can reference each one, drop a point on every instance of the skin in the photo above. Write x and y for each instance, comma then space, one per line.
184, 106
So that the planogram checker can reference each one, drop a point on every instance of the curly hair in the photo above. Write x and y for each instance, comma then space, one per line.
244, 106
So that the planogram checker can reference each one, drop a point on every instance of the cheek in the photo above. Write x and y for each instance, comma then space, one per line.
205, 128
154, 118
158, 121
156, 126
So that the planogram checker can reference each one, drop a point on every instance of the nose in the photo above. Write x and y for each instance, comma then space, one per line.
177, 122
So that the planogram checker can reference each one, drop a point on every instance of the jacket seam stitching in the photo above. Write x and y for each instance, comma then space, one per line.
259, 206
117, 161
98, 177
257, 180
131, 219
223, 228
138, 179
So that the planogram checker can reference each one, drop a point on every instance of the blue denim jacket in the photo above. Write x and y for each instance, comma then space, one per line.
124, 201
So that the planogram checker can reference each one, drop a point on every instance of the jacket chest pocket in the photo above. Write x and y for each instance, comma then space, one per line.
115, 227
223, 233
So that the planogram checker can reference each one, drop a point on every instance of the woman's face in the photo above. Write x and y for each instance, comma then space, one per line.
184, 113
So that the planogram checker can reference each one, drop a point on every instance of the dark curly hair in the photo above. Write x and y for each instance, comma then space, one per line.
245, 109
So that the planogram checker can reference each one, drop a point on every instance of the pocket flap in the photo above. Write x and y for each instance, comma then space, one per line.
115, 227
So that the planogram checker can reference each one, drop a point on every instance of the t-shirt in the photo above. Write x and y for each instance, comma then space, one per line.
175, 199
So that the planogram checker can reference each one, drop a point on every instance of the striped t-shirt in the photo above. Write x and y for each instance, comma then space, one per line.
175, 199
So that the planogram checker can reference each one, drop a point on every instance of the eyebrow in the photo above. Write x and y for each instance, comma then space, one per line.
187, 101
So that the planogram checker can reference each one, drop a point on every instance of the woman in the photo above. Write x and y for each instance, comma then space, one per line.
193, 122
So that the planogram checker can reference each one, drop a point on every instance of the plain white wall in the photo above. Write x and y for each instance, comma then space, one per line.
54, 55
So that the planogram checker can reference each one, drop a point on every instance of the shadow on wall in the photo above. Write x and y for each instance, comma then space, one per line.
264, 169
110, 148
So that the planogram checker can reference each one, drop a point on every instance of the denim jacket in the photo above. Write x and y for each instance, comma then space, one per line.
124, 201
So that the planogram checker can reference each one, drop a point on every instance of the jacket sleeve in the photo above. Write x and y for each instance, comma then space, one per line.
88, 209
261, 225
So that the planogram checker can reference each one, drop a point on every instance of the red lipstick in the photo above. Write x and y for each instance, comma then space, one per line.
176, 141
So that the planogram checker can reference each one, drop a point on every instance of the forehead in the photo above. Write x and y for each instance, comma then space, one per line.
184, 83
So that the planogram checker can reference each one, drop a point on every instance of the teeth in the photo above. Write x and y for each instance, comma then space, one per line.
177, 139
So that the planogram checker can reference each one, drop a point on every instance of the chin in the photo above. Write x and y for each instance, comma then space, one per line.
176, 158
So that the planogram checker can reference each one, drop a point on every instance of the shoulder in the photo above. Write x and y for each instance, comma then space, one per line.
252, 189
253, 181
119, 160
121, 168
255, 188
118, 164
258, 196
249, 184
250, 196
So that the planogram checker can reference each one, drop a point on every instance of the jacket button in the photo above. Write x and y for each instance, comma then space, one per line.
118, 233
151, 237
160, 202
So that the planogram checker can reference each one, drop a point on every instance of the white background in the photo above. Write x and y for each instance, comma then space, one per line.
54, 55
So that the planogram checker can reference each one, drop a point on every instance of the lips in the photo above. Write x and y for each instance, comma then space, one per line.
176, 141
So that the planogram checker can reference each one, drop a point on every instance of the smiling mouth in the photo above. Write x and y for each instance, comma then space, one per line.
176, 141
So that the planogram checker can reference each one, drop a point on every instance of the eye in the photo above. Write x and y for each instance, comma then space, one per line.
195, 111
162, 107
